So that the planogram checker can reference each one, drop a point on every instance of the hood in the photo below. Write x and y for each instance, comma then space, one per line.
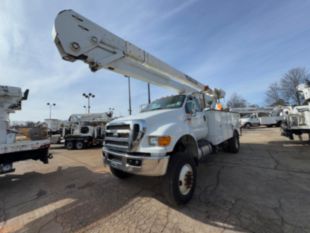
151, 117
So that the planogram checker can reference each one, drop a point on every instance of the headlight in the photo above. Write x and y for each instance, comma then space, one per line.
159, 140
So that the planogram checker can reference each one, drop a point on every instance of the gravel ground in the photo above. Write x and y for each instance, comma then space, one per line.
264, 188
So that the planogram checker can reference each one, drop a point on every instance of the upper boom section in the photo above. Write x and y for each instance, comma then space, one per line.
78, 38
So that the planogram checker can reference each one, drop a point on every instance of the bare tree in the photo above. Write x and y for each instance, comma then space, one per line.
274, 95
236, 101
289, 84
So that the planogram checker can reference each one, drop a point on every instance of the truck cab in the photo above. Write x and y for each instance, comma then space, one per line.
249, 120
147, 138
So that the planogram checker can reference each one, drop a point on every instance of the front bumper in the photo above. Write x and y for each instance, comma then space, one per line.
139, 165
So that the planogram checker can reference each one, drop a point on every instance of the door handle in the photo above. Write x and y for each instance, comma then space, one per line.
204, 118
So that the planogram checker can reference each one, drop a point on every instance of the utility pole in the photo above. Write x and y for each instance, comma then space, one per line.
50, 105
88, 97
149, 92
129, 95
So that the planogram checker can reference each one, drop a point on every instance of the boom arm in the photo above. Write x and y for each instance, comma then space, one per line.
78, 38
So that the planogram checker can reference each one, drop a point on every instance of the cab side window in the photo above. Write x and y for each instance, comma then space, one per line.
192, 105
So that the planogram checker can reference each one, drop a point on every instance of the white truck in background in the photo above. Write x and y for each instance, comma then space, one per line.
86, 130
172, 135
297, 119
256, 117
12, 150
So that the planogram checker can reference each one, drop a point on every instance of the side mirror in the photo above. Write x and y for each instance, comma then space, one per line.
25, 96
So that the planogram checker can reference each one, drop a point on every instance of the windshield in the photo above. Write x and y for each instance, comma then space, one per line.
245, 115
175, 101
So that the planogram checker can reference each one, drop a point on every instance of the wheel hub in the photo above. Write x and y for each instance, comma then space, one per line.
186, 179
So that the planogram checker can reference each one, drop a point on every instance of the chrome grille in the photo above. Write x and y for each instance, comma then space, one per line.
124, 136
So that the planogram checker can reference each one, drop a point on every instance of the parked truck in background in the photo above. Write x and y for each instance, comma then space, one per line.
55, 130
173, 134
297, 119
34, 146
86, 130
251, 117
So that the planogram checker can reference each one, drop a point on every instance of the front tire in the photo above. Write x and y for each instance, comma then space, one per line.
247, 125
180, 181
119, 174
234, 143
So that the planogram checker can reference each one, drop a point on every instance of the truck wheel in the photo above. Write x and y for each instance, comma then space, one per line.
79, 145
247, 125
119, 174
269, 126
180, 180
70, 145
234, 143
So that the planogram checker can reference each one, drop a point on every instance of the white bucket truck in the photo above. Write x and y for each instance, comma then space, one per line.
12, 150
86, 130
172, 134
297, 119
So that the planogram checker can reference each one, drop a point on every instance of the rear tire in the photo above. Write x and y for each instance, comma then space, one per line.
119, 174
79, 145
180, 181
234, 143
247, 125
69, 145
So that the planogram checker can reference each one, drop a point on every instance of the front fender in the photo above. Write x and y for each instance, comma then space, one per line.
175, 131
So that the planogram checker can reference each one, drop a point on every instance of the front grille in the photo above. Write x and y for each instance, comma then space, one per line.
119, 143
114, 157
122, 136
117, 127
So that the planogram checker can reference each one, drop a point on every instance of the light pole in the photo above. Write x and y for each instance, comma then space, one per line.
88, 96
85, 108
149, 92
129, 95
50, 105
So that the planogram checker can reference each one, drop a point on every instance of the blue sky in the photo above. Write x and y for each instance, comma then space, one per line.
240, 46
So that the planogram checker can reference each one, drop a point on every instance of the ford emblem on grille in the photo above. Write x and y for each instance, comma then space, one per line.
115, 134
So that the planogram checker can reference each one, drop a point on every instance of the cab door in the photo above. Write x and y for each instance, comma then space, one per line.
254, 120
195, 118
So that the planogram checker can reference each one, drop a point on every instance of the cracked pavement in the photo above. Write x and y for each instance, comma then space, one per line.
264, 188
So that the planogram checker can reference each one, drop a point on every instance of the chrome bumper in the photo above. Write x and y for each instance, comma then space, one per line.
139, 165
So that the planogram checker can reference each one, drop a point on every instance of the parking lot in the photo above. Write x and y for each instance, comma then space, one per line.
264, 188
